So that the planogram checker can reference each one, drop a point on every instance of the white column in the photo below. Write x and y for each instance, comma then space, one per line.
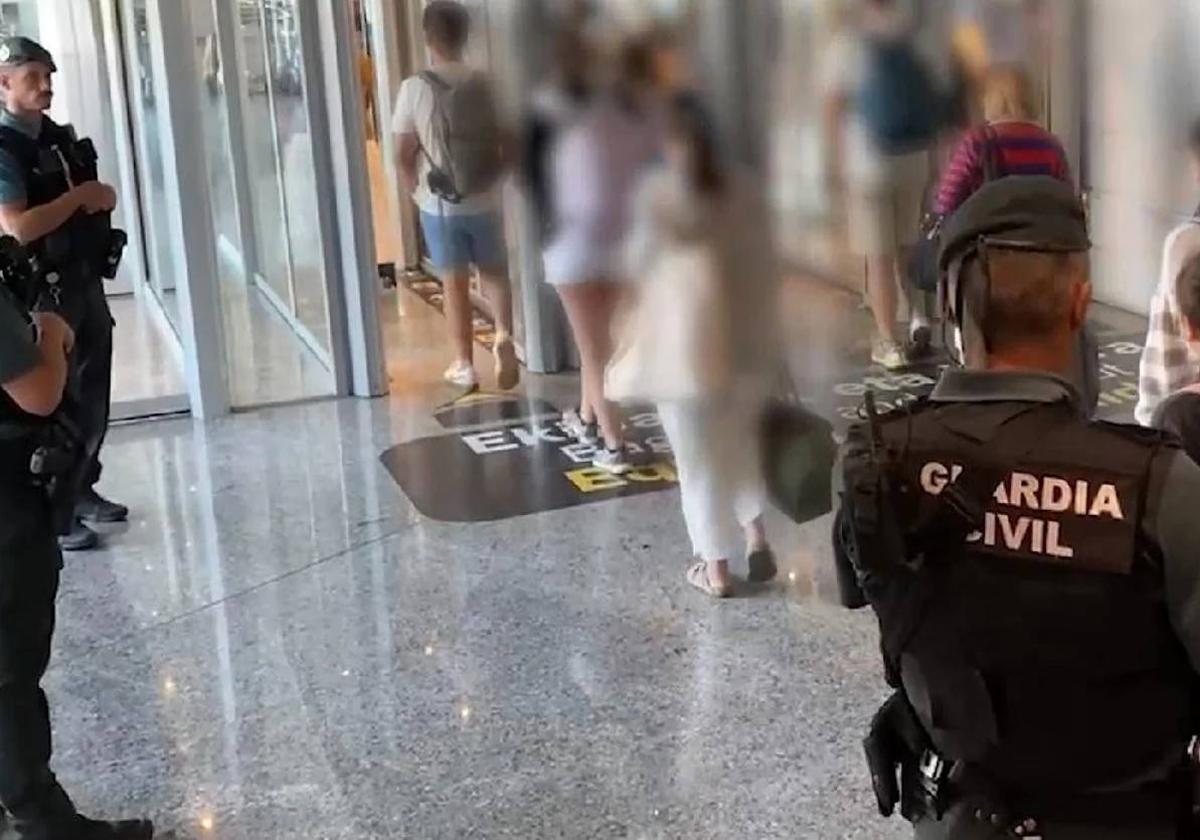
190, 223
352, 279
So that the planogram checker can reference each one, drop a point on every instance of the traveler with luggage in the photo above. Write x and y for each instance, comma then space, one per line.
701, 340
1010, 142
451, 150
883, 113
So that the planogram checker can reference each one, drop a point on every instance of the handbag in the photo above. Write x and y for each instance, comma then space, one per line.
798, 455
673, 342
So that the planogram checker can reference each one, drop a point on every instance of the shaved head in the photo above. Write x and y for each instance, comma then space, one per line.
1034, 306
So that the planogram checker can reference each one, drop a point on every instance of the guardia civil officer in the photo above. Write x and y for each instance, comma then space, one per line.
51, 199
33, 375
1036, 576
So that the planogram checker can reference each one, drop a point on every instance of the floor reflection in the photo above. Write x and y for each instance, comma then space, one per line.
278, 646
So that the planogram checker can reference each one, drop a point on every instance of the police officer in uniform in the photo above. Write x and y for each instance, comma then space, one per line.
1036, 576
52, 200
34, 352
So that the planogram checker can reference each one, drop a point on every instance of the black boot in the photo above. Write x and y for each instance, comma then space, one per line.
92, 507
78, 828
86, 829
79, 538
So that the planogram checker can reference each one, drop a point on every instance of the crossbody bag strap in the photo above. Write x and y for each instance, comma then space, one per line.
992, 169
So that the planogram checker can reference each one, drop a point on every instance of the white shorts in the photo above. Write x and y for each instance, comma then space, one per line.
573, 258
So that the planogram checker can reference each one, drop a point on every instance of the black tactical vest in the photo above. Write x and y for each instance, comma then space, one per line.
1039, 652
52, 163
46, 173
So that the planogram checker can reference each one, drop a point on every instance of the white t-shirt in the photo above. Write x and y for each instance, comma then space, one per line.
414, 113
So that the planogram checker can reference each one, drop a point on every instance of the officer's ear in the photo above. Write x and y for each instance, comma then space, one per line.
1081, 301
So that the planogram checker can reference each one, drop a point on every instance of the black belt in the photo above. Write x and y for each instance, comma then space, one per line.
1166, 803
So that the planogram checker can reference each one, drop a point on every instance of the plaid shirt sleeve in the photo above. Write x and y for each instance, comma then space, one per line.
1168, 362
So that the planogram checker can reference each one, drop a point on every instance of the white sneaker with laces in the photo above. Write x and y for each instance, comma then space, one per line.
578, 428
888, 355
615, 461
462, 374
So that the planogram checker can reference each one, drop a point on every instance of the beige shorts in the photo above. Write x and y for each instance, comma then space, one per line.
885, 217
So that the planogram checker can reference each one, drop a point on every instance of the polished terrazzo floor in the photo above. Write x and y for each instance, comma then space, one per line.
279, 646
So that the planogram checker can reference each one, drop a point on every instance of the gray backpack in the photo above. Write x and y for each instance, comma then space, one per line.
466, 129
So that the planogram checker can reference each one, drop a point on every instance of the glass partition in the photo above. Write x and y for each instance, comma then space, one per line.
215, 117
273, 260
145, 92
298, 173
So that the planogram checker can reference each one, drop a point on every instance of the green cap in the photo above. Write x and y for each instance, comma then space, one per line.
16, 51
1025, 212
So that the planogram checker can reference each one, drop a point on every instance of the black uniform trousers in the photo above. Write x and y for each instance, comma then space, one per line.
30, 563
90, 382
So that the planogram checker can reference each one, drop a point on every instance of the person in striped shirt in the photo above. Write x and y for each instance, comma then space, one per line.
1171, 361
1009, 143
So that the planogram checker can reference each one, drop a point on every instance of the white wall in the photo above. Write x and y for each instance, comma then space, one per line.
1144, 68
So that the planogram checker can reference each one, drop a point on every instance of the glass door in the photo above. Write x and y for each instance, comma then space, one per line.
145, 92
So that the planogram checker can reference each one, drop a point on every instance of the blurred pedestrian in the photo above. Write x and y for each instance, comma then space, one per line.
883, 113
1180, 412
701, 341
598, 163
555, 105
1170, 362
1010, 142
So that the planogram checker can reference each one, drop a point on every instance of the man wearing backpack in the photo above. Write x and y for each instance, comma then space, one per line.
883, 114
451, 154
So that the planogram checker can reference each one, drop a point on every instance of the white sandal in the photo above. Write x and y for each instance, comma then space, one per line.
698, 577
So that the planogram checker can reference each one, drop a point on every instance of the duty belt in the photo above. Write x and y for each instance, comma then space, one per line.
1167, 803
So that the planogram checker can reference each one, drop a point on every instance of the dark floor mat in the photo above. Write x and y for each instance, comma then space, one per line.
506, 471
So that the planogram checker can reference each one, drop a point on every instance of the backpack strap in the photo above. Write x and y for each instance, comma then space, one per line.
436, 82
991, 155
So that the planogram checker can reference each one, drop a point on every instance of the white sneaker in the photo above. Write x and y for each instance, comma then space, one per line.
508, 372
615, 461
462, 375
921, 333
888, 355
575, 426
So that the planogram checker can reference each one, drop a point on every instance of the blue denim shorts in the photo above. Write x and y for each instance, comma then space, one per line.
456, 243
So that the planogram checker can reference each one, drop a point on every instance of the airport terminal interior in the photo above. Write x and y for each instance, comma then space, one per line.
352, 603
